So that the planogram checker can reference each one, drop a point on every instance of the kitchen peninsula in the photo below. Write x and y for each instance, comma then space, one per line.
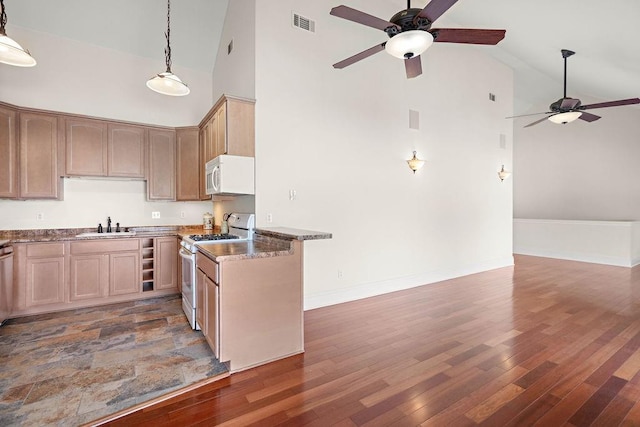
251, 296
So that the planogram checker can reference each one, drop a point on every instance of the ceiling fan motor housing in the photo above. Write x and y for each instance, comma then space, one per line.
406, 20
556, 107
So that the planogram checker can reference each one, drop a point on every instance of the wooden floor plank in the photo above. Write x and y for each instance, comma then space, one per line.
546, 342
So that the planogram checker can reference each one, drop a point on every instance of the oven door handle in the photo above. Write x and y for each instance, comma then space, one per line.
186, 254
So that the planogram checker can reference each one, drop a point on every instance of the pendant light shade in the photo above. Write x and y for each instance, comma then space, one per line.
409, 44
168, 83
10, 51
564, 118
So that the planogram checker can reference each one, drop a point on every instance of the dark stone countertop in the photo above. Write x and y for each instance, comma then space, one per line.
257, 248
287, 233
63, 234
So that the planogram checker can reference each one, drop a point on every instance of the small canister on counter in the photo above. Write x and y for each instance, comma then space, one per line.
207, 220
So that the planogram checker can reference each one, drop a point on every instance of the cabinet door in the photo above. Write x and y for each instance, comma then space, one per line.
39, 175
8, 154
240, 130
211, 316
124, 273
188, 164
45, 281
201, 285
126, 146
220, 130
166, 254
161, 174
86, 147
89, 276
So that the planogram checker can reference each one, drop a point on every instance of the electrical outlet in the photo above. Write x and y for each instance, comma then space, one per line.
339, 274
155, 215
39, 216
183, 214
292, 194
269, 217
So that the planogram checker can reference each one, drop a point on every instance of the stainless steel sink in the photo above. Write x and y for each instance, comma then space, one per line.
112, 234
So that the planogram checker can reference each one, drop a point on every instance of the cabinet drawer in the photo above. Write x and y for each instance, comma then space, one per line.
209, 267
104, 246
45, 249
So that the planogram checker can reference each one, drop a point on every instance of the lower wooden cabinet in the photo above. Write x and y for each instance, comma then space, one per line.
211, 318
89, 276
201, 311
72, 274
166, 267
124, 273
45, 281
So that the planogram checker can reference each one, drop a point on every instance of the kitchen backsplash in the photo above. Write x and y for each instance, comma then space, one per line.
88, 202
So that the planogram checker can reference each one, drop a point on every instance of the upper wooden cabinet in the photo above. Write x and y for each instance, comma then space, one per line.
229, 128
39, 167
86, 147
8, 153
98, 148
188, 164
125, 155
161, 171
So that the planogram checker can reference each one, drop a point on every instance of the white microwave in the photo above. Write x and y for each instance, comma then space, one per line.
228, 174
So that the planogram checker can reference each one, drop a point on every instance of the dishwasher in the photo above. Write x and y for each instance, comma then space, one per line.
6, 281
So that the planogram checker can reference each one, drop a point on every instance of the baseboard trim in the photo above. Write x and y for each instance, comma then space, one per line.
372, 289
577, 256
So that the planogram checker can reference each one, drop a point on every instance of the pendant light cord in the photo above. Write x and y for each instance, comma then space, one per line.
167, 50
3, 19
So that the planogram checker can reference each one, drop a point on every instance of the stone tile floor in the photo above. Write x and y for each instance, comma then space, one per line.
76, 366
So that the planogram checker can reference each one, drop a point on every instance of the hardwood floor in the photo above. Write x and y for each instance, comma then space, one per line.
548, 342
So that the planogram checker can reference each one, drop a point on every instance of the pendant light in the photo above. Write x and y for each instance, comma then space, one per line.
168, 83
11, 52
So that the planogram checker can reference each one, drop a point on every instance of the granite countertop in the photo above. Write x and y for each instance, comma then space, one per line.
292, 233
258, 248
62, 234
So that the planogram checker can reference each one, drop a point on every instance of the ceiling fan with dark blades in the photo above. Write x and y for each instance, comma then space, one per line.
565, 110
410, 33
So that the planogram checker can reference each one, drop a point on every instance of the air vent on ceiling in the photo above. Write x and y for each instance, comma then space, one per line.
303, 23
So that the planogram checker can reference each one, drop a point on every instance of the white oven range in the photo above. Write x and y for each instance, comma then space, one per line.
241, 228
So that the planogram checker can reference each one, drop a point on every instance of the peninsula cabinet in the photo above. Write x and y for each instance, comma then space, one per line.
8, 153
189, 166
161, 171
40, 169
251, 309
86, 147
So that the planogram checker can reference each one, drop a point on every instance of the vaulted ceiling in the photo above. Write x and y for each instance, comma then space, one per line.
604, 35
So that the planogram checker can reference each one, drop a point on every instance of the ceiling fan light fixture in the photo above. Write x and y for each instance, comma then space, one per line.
168, 83
563, 118
11, 52
409, 44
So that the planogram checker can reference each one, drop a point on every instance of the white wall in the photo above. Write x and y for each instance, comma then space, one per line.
578, 171
235, 73
88, 202
86, 79
340, 138
602, 242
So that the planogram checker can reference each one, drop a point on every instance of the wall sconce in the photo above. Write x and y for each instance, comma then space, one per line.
503, 174
415, 163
